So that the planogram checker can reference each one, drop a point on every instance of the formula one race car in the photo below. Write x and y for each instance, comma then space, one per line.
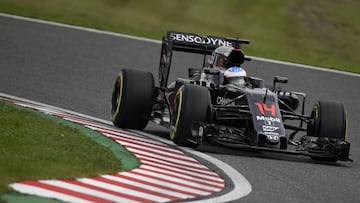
220, 104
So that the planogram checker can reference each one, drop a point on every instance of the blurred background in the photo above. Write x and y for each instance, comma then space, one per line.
322, 33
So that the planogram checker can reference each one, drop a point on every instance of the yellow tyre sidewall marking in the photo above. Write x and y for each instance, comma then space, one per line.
120, 76
316, 109
178, 94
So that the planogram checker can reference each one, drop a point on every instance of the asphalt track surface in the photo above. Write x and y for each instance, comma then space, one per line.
75, 70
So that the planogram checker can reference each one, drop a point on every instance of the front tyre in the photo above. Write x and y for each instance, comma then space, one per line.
329, 124
131, 102
191, 106
328, 120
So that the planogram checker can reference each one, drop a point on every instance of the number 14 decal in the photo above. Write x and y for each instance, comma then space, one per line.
263, 107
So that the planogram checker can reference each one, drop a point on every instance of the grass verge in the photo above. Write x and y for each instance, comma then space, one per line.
322, 33
37, 146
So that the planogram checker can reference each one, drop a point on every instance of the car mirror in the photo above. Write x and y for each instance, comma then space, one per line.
194, 72
279, 79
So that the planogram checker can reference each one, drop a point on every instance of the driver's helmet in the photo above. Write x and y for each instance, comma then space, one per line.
225, 57
235, 75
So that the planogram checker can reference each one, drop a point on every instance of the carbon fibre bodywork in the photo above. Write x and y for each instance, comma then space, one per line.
249, 116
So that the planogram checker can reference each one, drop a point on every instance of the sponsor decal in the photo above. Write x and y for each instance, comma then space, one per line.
269, 123
273, 137
271, 133
181, 37
269, 128
224, 101
265, 118
264, 108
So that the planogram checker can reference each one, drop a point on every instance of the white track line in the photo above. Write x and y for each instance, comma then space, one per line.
297, 65
241, 186
159, 42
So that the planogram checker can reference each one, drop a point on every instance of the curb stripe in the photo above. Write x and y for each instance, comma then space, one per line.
174, 195
185, 177
165, 155
99, 187
174, 190
181, 181
155, 160
93, 195
68, 192
173, 162
120, 136
34, 190
148, 195
174, 181
178, 171
167, 160
166, 183
166, 173
146, 144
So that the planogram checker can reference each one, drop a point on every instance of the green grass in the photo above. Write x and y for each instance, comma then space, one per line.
34, 147
323, 33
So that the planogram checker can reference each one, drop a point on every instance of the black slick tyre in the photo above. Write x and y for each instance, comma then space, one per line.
191, 106
328, 121
131, 101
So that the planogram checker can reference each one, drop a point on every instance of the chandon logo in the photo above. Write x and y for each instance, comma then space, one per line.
224, 101
199, 40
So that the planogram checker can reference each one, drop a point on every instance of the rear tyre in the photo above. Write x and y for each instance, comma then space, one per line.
131, 101
191, 106
328, 120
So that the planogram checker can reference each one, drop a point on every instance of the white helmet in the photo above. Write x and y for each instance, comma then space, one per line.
235, 75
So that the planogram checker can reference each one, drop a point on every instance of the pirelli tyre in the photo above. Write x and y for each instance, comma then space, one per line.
191, 106
131, 101
328, 122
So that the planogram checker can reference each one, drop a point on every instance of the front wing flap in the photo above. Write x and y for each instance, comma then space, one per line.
331, 151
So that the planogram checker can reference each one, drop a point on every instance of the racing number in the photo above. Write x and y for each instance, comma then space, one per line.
263, 107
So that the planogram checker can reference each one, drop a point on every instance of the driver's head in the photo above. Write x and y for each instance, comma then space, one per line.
235, 75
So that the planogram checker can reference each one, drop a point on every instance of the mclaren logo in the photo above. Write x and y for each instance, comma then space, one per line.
180, 37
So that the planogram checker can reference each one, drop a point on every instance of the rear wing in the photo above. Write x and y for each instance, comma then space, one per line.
192, 43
